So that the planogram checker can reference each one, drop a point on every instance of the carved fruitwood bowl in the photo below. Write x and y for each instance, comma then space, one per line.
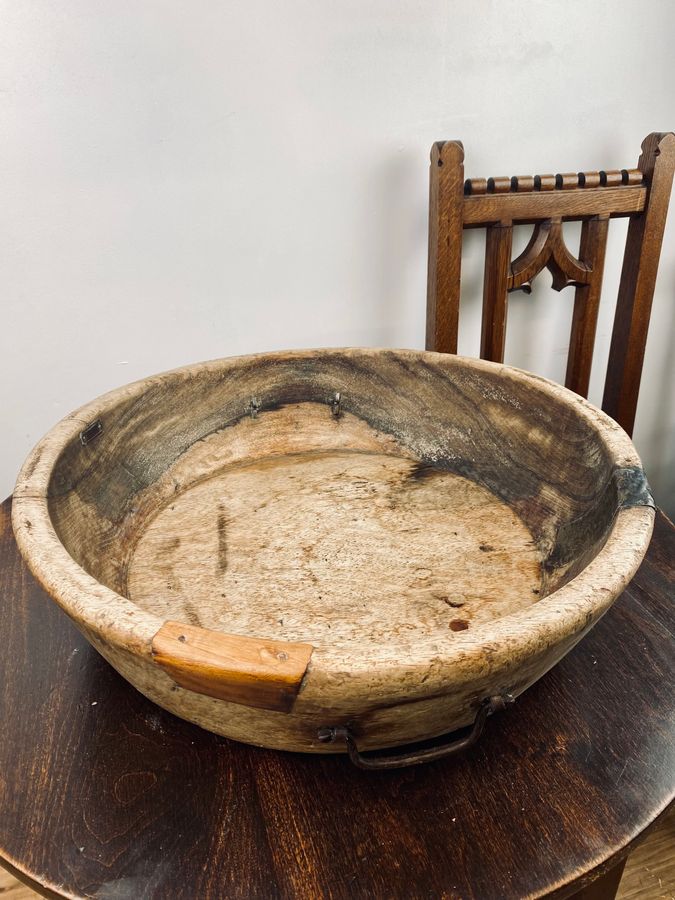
290, 547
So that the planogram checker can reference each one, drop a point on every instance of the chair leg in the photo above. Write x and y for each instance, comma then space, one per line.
603, 888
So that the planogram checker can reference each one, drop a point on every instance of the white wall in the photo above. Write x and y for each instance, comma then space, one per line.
181, 181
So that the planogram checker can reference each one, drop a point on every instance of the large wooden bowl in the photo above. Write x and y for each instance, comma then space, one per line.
278, 544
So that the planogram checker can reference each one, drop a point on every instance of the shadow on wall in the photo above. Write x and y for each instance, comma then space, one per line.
653, 411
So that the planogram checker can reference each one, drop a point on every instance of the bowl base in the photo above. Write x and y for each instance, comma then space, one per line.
335, 547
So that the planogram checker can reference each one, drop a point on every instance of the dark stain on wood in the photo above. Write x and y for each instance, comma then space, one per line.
455, 604
421, 471
172, 544
459, 625
222, 540
632, 487
192, 612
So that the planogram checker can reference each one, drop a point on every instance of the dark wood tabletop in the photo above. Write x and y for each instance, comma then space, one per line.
103, 794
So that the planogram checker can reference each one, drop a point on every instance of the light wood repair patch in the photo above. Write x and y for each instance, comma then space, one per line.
260, 673
335, 548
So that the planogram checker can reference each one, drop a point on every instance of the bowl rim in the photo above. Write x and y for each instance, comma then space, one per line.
115, 619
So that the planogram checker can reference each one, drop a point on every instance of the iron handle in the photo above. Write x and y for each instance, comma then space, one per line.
341, 732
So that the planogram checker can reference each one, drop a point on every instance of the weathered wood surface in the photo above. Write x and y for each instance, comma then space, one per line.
340, 548
240, 496
102, 794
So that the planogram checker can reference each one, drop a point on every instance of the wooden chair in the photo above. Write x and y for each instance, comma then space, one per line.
546, 201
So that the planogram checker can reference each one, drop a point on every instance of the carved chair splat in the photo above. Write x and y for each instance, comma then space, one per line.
546, 201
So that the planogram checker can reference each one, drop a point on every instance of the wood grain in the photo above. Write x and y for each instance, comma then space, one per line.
495, 292
649, 873
318, 547
579, 203
547, 201
260, 673
11, 889
445, 235
547, 249
586, 305
233, 496
102, 794
638, 279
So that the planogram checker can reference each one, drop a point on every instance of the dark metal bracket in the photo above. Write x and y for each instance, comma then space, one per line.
92, 431
336, 405
331, 734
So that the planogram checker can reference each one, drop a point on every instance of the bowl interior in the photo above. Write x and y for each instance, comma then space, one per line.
337, 495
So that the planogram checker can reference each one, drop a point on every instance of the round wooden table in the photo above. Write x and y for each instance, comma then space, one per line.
103, 794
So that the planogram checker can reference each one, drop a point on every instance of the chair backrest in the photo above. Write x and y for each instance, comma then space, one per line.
546, 201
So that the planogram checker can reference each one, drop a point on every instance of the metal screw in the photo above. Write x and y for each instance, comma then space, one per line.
335, 405
90, 432
326, 735
253, 407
